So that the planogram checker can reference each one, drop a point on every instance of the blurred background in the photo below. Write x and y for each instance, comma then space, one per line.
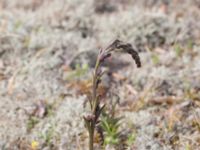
48, 49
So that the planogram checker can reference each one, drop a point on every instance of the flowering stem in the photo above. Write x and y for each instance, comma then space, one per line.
94, 104
92, 119
95, 78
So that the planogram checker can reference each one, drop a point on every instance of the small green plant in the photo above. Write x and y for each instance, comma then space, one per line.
78, 72
92, 119
110, 126
178, 49
131, 139
112, 134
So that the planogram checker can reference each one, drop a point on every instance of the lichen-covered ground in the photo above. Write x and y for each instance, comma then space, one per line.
47, 52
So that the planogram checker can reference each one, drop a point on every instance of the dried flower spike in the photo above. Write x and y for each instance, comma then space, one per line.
120, 46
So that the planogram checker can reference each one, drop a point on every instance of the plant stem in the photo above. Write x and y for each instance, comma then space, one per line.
94, 105
91, 137
94, 97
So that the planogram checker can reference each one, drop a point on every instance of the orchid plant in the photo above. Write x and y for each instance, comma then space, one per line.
92, 119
